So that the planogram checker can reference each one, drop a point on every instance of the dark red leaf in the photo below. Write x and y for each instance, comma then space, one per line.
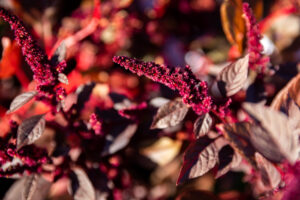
271, 135
170, 114
199, 158
81, 186
30, 130
21, 100
202, 125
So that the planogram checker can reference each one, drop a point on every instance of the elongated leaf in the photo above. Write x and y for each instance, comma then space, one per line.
30, 130
292, 110
233, 23
63, 78
30, 186
170, 114
234, 76
292, 89
269, 174
202, 125
228, 159
59, 54
21, 100
117, 143
238, 136
271, 135
18, 189
81, 185
199, 158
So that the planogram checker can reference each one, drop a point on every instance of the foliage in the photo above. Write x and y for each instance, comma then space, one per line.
75, 125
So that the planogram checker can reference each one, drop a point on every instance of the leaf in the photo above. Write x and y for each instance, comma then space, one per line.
199, 158
269, 174
170, 114
30, 187
233, 23
202, 125
270, 134
83, 94
228, 159
258, 8
59, 54
163, 151
81, 186
292, 89
21, 100
63, 78
30, 130
120, 140
158, 101
238, 136
292, 110
234, 76
17, 190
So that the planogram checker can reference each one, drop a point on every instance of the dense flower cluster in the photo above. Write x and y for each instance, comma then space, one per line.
193, 91
256, 59
45, 74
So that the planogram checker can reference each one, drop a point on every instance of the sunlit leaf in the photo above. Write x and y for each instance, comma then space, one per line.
269, 174
202, 125
59, 54
163, 151
81, 185
20, 188
170, 114
21, 100
199, 158
118, 138
233, 23
290, 90
30, 130
234, 76
30, 186
270, 133
63, 78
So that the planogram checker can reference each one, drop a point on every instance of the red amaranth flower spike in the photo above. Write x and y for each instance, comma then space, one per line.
45, 74
257, 61
193, 91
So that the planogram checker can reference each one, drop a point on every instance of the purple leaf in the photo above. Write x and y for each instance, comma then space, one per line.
81, 186
63, 78
238, 136
202, 125
269, 174
59, 54
30, 186
117, 142
170, 114
21, 100
21, 187
123, 139
271, 135
199, 158
30, 130
234, 76
228, 159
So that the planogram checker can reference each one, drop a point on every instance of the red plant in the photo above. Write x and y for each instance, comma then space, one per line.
86, 129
